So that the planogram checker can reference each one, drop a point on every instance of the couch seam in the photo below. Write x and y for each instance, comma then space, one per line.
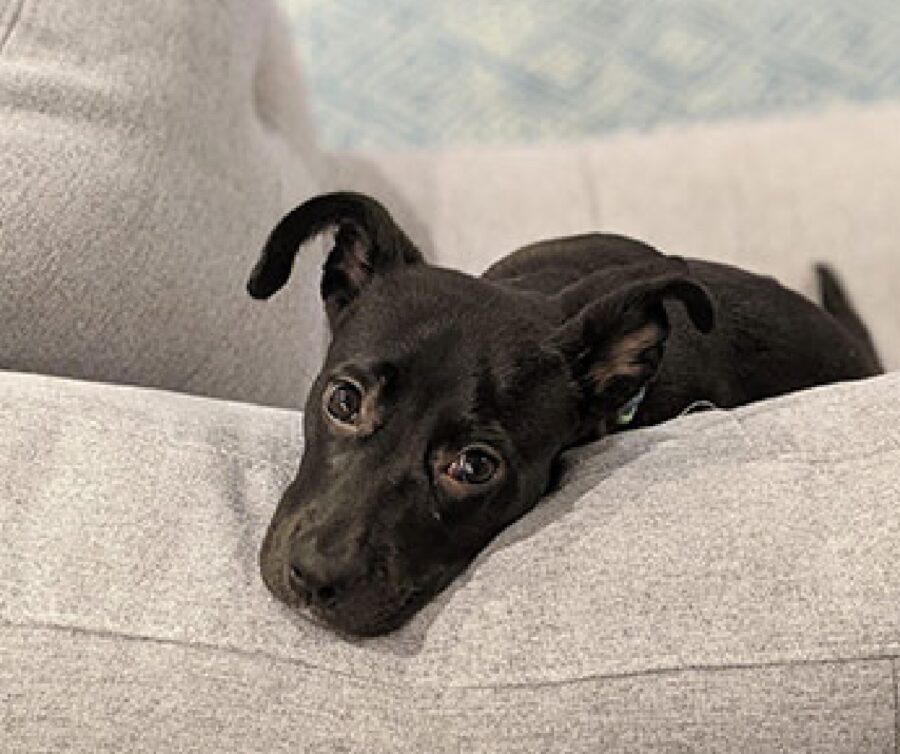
402, 683
13, 22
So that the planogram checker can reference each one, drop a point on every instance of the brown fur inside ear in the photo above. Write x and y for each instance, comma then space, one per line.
353, 245
633, 356
347, 269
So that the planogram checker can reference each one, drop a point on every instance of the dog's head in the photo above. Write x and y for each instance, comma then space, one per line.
442, 405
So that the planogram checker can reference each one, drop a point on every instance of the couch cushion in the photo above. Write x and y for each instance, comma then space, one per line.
774, 196
144, 156
726, 581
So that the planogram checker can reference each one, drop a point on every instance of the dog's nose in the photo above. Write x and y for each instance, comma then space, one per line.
322, 577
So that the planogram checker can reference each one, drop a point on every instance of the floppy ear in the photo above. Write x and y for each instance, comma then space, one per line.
368, 243
615, 342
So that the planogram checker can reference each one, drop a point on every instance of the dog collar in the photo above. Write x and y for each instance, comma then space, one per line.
627, 412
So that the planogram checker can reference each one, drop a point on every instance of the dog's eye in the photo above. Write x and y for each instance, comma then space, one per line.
343, 402
474, 465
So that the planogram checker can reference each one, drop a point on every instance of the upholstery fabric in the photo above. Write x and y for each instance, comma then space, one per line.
728, 581
773, 196
146, 150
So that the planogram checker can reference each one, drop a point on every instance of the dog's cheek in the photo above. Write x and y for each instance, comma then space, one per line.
421, 548
272, 564
274, 548
523, 493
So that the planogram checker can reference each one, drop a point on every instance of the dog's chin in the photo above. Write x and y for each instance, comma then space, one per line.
374, 611
382, 620
378, 617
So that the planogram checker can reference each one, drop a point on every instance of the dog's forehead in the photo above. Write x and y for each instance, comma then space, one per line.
463, 340
435, 312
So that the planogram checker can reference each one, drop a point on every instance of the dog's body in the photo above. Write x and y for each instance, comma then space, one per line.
445, 400
767, 341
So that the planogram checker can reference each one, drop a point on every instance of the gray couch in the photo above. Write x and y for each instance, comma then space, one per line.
729, 581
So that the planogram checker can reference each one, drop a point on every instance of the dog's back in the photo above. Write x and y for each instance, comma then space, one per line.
768, 339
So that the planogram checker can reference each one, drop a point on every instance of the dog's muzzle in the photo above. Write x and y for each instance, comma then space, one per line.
322, 578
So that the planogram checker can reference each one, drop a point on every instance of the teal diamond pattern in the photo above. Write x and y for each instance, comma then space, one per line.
428, 72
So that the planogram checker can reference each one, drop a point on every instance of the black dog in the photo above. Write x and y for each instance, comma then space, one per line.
445, 399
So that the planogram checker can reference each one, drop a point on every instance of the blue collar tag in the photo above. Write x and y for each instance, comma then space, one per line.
627, 412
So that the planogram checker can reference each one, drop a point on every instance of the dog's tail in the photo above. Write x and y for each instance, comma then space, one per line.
837, 303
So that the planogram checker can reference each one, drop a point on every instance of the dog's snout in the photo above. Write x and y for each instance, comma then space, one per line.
322, 577
313, 585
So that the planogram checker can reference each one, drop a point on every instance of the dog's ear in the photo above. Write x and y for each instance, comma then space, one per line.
368, 242
616, 327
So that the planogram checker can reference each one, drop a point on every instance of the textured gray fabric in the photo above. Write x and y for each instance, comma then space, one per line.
146, 149
724, 582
